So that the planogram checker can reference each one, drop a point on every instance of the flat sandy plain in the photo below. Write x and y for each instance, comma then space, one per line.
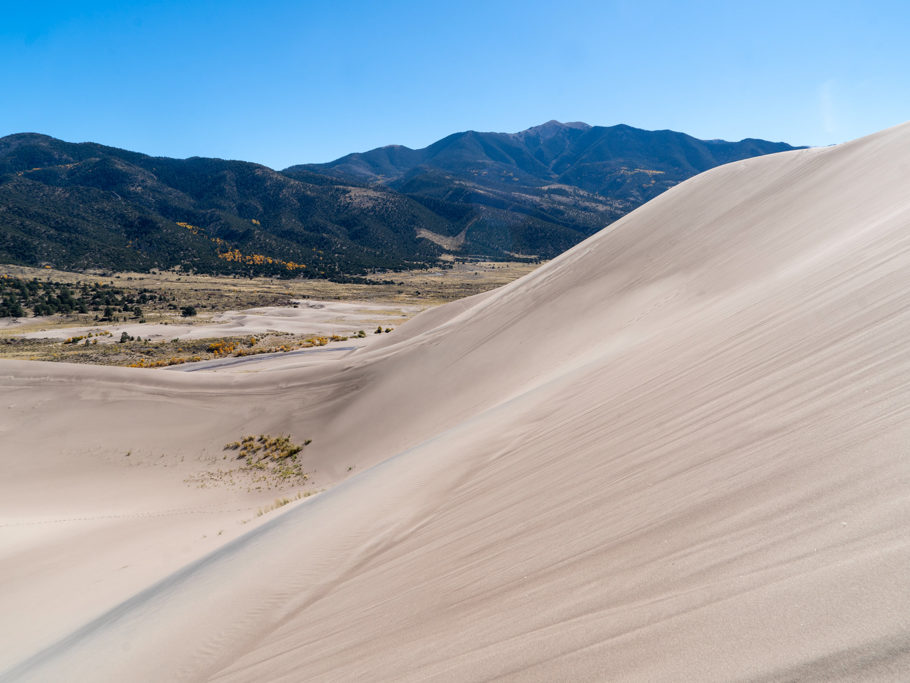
677, 452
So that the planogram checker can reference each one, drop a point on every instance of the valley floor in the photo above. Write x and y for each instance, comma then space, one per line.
244, 316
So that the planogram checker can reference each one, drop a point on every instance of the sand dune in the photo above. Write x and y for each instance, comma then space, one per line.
677, 452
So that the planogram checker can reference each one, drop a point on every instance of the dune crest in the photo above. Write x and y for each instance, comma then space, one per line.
678, 451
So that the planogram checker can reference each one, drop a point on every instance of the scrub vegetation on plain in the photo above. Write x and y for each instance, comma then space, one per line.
36, 300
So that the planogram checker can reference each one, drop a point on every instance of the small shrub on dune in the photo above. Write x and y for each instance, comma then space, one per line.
276, 456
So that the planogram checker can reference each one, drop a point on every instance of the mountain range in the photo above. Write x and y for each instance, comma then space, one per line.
531, 194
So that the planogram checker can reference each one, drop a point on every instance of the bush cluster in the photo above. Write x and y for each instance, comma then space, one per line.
275, 456
19, 295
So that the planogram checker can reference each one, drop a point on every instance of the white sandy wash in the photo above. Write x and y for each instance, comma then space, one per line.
309, 317
680, 451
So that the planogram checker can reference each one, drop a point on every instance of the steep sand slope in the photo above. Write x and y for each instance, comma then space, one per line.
679, 451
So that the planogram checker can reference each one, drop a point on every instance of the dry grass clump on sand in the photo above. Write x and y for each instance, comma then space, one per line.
281, 502
276, 458
263, 462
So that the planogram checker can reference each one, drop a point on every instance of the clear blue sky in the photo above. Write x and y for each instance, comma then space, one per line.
281, 82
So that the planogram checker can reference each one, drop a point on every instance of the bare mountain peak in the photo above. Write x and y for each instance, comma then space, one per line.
552, 127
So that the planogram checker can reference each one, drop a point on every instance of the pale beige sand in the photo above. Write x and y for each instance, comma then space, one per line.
678, 452
310, 317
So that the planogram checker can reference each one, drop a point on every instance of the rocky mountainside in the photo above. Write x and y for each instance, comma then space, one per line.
78, 206
544, 189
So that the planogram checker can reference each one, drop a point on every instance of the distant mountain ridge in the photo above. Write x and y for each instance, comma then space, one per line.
569, 153
533, 193
564, 180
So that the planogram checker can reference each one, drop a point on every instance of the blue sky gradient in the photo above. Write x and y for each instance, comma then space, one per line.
282, 82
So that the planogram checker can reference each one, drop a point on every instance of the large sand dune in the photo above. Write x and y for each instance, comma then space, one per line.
681, 451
